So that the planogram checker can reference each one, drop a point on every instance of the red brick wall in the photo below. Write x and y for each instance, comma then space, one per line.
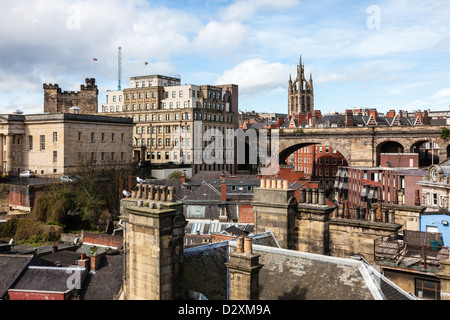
400, 160
14, 295
246, 213
102, 239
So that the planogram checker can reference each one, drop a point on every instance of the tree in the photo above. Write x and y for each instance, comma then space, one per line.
175, 175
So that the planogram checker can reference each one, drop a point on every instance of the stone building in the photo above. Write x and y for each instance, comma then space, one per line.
164, 113
300, 92
59, 143
56, 100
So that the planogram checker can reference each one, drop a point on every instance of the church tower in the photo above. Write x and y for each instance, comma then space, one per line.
300, 92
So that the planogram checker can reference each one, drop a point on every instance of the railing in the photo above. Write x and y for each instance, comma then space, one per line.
394, 250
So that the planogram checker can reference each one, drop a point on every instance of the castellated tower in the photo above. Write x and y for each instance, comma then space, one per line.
300, 92
56, 100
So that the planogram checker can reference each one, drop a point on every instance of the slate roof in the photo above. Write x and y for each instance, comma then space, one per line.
106, 282
38, 278
11, 266
289, 274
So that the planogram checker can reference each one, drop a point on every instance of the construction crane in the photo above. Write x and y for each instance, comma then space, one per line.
120, 68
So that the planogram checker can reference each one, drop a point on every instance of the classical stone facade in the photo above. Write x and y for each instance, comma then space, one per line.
300, 92
56, 100
60, 143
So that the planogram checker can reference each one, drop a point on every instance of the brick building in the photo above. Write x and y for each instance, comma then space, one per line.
359, 187
319, 162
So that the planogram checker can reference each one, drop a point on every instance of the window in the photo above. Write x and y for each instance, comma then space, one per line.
122, 156
55, 136
113, 156
30, 142
92, 137
103, 137
42, 139
167, 155
103, 156
112, 137
427, 289
55, 156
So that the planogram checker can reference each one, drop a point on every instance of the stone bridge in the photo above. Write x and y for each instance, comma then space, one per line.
362, 146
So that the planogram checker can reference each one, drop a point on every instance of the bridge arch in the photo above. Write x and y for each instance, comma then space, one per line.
285, 152
388, 146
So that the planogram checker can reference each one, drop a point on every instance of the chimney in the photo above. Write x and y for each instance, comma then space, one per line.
426, 118
418, 118
301, 117
54, 248
308, 118
244, 269
183, 179
390, 114
280, 121
374, 113
348, 118
224, 189
417, 198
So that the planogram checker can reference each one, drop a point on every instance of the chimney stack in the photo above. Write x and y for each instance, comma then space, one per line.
244, 269
348, 118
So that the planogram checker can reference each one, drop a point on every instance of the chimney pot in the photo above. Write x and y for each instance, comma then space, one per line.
240, 244
248, 248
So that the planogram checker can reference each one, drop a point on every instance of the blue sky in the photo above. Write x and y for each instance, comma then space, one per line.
362, 54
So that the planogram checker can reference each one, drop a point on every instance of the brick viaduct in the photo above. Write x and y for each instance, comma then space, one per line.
362, 146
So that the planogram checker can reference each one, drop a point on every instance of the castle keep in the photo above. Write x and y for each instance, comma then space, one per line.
56, 100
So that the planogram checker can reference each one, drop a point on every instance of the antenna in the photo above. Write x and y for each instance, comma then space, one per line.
120, 68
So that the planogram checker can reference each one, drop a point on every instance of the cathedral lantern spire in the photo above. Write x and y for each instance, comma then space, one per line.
300, 92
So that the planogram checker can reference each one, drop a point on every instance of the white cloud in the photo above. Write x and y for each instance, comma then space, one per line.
443, 93
244, 10
256, 75
222, 38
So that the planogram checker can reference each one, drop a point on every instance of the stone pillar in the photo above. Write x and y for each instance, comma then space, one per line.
244, 269
9, 158
373, 214
1, 154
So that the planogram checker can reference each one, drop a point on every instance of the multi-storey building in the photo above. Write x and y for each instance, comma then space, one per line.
164, 114
319, 162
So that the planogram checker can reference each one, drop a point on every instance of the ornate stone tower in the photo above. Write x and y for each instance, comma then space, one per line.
300, 92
